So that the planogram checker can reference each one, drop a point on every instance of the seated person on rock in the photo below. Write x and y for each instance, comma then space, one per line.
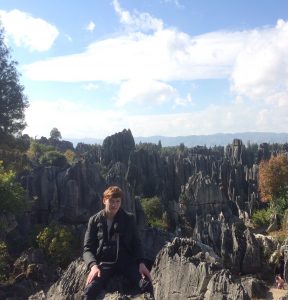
112, 246
279, 282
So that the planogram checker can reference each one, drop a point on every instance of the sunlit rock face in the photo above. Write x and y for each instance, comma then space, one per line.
184, 269
187, 269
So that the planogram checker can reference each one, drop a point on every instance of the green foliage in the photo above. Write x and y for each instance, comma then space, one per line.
4, 262
53, 158
14, 159
280, 206
154, 213
12, 100
58, 243
47, 155
12, 195
36, 150
151, 147
103, 170
262, 217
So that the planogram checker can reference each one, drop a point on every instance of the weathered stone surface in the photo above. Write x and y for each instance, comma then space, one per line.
59, 145
72, 283
31, 256
184, 269
187, 269
68, 195
8, 223
153, 241
255, 288
222, 287
19, 290
252, 258
117, 147
219, 193
208, 216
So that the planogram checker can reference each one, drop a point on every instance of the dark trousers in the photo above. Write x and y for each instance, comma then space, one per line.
128, 269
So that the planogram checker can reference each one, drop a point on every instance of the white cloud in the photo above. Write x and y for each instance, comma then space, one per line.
72, 119
91, 26
175, 2
148, 56
164, 55
137, 21
90, 86
77, 120
145, 92
26, 31
261, 68
184, 101
68, 37
255, 60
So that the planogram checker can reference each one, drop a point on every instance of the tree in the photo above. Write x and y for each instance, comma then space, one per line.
154, 213
12, 195
55, 134
5, 261
58, 242
273, 178
53, 158
37, 150
12, 100
70, 156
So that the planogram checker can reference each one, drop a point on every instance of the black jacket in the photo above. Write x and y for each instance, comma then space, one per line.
96, 234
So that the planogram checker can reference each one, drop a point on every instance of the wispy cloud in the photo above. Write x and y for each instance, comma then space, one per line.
90, 86
91, 26
26, 31
255, 61
137, 21
164, 55
177, 3
78, 120
145, 92
147, 57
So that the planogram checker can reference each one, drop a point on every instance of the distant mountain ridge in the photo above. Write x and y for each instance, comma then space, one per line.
218, 139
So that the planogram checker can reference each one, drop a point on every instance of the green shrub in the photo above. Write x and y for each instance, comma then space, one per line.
53, 158
154, 213
59, 244
4, 262
262, 217
36, 150
12, 195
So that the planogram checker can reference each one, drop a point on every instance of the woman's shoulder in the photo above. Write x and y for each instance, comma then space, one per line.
98, 216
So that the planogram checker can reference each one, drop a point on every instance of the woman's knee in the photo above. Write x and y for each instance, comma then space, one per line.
146, 285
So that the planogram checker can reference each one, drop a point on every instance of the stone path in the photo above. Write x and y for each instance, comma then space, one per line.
276, 294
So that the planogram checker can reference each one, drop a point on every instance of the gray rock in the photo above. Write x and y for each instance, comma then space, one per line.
255, 288
187, 269
71, 284
117, 147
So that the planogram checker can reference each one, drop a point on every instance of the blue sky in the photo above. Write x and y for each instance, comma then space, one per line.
158, 67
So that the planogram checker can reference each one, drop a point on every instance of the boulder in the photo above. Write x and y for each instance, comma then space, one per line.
188, 269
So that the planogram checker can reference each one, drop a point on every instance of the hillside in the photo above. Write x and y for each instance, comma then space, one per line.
218, 139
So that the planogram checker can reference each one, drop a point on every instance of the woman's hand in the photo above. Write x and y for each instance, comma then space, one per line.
144, 271
94, 272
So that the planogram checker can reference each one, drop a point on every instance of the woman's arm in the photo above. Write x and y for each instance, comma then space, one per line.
90, 244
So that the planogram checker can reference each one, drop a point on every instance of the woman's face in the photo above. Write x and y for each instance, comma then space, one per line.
112, 206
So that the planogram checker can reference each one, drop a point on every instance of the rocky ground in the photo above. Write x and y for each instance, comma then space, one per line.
277, 294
